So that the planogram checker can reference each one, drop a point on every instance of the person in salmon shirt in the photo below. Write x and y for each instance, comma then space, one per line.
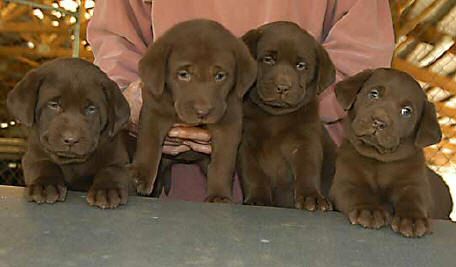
357, 34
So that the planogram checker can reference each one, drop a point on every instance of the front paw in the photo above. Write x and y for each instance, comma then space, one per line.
372, 218
144, 183
313, 202
45, 193
107, 197
218, 199
411, 226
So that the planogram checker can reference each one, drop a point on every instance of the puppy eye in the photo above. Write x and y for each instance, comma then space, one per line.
220, 76
91, 110
54, 105
269, 60
406, 112
184, 75
374, 94
301, 66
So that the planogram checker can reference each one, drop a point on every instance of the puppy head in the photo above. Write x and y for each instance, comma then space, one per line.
200, 64
387, 110
292, 67
71, 104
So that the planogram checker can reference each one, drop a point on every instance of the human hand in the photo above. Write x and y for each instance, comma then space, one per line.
182, 138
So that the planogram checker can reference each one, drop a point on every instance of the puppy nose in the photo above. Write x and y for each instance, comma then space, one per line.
70, 138
282, 88
202, 111
379, 124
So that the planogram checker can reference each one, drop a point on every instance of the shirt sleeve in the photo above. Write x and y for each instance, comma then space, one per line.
361, 37
119, 33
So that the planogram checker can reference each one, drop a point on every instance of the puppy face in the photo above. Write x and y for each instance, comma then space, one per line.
71, 104
200, 79
387, 107
292, 67
70, 123
200, 64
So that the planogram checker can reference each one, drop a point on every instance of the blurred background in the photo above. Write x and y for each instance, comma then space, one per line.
34, 31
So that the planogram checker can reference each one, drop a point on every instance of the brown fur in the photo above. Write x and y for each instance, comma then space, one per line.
75, 113
285, 150
201, 49
380, 169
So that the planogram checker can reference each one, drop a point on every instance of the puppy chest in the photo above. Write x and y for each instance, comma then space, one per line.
382, 177
274, 141
400, 174
274, 163
77, 178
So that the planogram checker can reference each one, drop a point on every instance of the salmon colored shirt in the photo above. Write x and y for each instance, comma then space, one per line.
357, 34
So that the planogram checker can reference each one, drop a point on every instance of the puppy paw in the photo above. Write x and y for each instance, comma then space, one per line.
107, 198
45, 193
144, 185
218, 199
372, 218
409, 226
313, 202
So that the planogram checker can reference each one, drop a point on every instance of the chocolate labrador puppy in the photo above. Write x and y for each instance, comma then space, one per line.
285, 149
195, 74
75, 113
380, 167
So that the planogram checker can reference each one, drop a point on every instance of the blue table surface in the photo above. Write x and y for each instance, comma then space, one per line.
151, 232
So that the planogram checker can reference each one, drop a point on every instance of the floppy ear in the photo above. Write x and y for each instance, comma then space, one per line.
246, 70
153, 67
326, 70
118, 108
251, 40
428, 130
347, 89
21, 101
